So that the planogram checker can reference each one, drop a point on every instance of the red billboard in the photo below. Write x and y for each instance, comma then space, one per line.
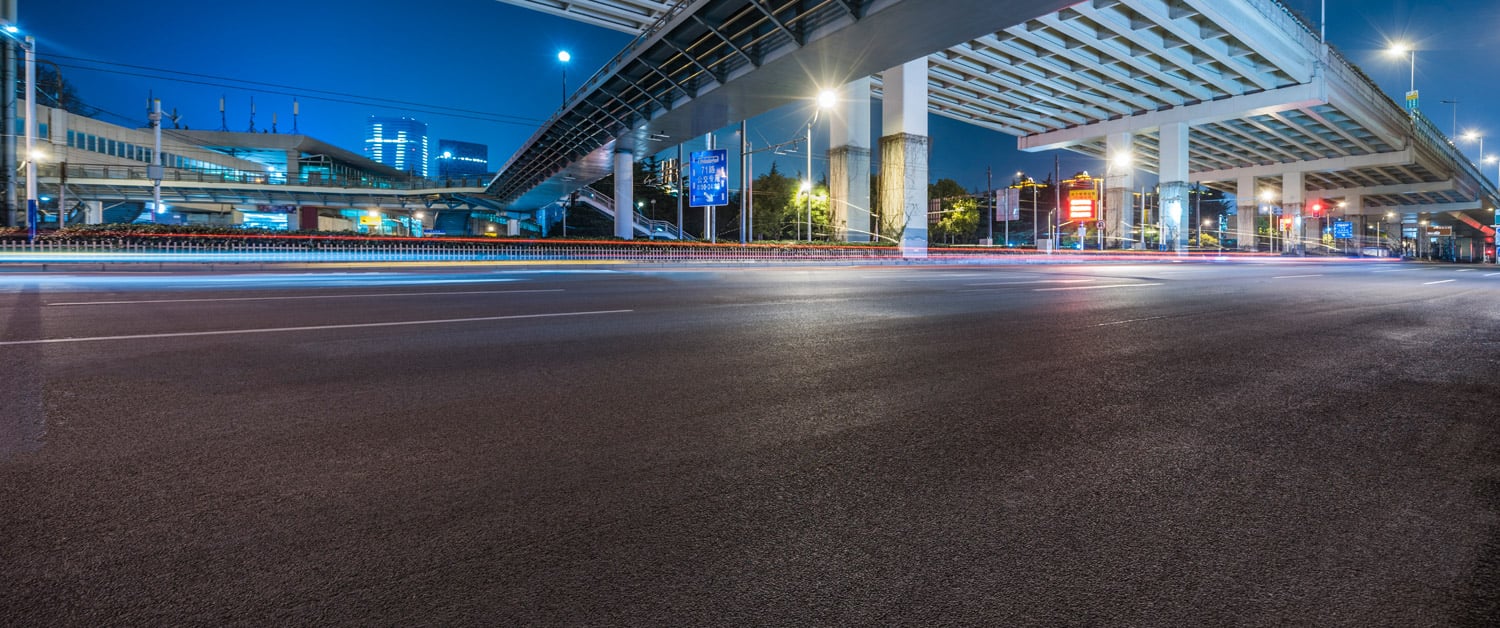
1082, 198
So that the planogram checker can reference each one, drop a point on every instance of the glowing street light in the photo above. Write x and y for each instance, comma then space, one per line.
1403, 48
1471, 136
563, 57
825, 99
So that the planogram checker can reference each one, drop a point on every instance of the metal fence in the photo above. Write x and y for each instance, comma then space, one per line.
314, 250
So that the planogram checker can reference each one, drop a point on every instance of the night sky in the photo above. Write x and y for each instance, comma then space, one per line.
482, 71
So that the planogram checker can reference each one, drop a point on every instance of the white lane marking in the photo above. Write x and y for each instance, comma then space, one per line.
1466, 270
1133, 320
1113, 285
273, 330
1399, 270
1294, 276
1491, 274
1435, 282
311, 296
1024, 283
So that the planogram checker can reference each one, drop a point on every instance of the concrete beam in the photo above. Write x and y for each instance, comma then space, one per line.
1398, 188
1433, 208
1334, 164
1261, 103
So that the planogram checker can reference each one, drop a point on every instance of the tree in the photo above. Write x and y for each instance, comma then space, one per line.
55, 90
960, 221
772, 195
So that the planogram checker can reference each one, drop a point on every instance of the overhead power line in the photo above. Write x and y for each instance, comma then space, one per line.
78, 63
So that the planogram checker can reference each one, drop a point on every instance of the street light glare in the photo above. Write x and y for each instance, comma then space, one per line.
1267, 196
827, 99
1399, 48
12, 29
564, 57
1122, 160
1470, 136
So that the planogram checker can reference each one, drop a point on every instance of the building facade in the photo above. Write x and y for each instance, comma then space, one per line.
456, 160
400, 143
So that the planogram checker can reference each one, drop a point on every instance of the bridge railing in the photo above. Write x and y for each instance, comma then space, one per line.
290, 249
240, 177
1429, 134
656, 228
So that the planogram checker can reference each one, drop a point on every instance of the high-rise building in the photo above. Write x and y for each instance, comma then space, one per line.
462, 159
400, 143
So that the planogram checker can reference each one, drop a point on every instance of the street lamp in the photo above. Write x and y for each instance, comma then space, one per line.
1471, 136
825, 99
1402, 48
1266, 196
563, 57
1120, 161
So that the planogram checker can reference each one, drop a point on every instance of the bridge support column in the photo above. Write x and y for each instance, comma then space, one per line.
1119, 180
1174, 186
1292, 200
1247, 209
624, 194
903, 156
849, 163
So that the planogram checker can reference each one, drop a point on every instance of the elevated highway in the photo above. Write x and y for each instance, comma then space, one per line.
1239, 95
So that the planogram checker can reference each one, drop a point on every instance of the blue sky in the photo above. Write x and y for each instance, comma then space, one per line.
498, 62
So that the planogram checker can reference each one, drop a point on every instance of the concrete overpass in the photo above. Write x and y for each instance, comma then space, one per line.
1240, 95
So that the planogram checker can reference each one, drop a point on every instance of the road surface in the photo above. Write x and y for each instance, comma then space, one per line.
1147, 445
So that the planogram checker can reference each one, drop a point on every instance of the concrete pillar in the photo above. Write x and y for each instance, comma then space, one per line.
903, 155
1292, 200
849, 163
93, 213
1174, 185
1119, 180
624, 194
1247, 209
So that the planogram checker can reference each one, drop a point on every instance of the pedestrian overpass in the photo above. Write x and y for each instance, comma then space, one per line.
1239, 95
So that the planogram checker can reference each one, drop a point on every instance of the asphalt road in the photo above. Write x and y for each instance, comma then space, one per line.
1133, 445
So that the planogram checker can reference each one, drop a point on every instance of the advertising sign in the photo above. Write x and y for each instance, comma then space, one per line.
1083, 199
708, 178
1343, 230
1008, 204
369, 221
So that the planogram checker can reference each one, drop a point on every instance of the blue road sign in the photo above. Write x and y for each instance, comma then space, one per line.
708, 178
1343, 230
32, 215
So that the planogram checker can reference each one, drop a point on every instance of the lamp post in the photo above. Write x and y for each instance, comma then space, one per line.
563, 57
1472, 136
1266, 196
1402, 48
826, 100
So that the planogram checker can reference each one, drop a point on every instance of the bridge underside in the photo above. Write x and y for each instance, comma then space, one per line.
1239, 95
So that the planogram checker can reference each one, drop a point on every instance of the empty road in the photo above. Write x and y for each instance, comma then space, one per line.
1143, 445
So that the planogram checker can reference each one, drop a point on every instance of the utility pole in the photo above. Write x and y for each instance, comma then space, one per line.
989, 195
744, 180
154, 171
678, 183
12, 209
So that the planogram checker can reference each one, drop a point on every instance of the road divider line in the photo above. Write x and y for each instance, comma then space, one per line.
1294, 276
1025, 283
1113, 285
276, 330
1466, 270
1491, 274
1133, 320
311, 296
1399, 270
1436, 282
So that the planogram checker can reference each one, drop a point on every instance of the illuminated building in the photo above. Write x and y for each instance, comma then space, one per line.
457, 159
400, 143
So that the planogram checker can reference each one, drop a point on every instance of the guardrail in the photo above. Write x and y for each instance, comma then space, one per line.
239, 177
